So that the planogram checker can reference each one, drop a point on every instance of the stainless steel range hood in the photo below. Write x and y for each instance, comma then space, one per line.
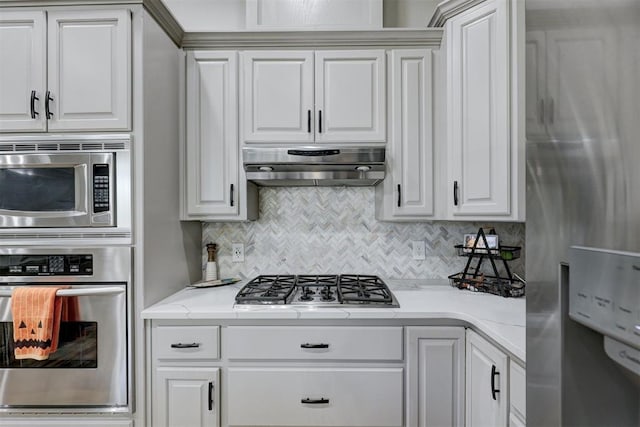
314, 166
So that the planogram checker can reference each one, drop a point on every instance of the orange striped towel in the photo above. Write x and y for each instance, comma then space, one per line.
36, 321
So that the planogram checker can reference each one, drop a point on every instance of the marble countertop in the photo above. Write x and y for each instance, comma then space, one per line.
501, 319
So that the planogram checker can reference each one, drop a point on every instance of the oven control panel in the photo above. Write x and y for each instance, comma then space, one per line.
46, 265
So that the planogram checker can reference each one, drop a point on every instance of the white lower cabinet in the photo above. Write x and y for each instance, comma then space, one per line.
352, 376
486, 383
186, 397
435, 376
203, 374
318, 396
495, 390
517, 395
185, 375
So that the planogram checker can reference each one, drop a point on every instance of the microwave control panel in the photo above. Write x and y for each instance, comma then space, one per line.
101, 185
604, 292
46, 265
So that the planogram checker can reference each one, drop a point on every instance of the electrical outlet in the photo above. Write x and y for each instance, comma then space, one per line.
418, 250
237, 252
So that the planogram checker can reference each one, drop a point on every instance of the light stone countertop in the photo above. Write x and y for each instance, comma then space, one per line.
501, 319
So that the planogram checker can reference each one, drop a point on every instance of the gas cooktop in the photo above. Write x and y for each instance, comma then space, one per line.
353, 290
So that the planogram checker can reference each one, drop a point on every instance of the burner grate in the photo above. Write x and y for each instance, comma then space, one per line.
267, 289
363, 289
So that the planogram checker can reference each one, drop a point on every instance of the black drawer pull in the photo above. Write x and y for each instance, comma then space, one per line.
307, 345
189, 345
320, 401
320, 121
309, 121
494, 372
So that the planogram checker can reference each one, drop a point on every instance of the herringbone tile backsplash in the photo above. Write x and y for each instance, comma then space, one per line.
333, 230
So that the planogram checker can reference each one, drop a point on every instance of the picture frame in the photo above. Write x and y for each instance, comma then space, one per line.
492, 241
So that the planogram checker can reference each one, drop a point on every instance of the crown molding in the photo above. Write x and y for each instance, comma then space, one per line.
165, 19
450, 8
155, 8
430, 37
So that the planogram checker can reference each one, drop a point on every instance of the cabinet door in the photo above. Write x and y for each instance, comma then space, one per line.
89, 58
277, 92
486, 386
435, 376
409, 186
581, 102
186, 397
212, 152
22, 71
479, 132
350, 96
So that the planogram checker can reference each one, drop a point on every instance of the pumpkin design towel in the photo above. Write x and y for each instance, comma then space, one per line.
36, 321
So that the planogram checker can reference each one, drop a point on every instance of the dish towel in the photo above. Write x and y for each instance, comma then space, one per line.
36, 321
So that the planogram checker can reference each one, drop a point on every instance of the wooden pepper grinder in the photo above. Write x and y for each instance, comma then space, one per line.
211, 271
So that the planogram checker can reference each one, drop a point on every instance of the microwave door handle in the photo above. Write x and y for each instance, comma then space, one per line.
78, 292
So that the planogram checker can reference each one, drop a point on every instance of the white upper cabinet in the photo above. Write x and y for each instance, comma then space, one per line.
407, 191
89, 59
65, 70
350, 96
278, 96
214, 187
283, 101
486, 148
279, 15
572, 61
22, 70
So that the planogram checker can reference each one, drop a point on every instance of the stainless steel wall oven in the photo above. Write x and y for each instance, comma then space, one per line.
89, 372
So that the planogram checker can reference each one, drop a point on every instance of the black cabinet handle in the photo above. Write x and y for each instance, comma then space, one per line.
309, 121
189, 345
399, 195
34, 113
210, 396
322, 400
494, 372
320, 121
307, 345
455, 193
47, 99
231, 195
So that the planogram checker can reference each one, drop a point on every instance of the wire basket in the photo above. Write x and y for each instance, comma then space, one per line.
490, 284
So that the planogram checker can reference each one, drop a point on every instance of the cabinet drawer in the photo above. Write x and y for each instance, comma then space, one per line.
318, 343
369, 397
186, 342
517, 389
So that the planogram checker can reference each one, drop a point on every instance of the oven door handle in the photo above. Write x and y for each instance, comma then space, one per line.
78, 292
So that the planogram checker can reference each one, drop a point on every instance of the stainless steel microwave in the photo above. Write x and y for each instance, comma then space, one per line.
66, 184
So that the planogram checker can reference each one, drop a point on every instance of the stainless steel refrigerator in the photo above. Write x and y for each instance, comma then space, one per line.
583, 189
